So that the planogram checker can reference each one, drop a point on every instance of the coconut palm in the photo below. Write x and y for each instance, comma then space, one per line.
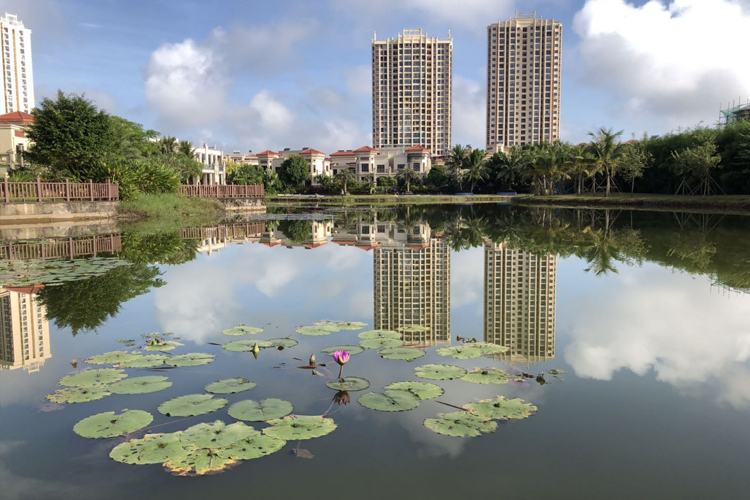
185, 148
457, 159
168, 144
475, 167
345, 176
608, 153
582, 165
408, 175
512, 165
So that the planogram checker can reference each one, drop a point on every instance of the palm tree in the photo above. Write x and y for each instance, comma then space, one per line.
513, 163
185, 148
608, 152
457, 159
345, 176
476, 167
408, 175
581, 165
168, 144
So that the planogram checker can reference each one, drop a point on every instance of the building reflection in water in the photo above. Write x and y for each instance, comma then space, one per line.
519, 302
411, 278
24, 329
307, 234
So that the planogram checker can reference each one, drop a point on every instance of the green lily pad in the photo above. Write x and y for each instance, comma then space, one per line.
260, 411
245, 345
127, 342
242, 330
255, 446
352, 349
79, 394
199, 462
341, 325
413, 329
140, 385
216, 434
90, 378
404, 353
230, 386
460, 424
191, 404
299, 427
472, 350
381, 343
439, 372
316, 330
169, 345
490, 376
147, 361
156, 336
111, 358
152, 449
191, 359
379, 334
284, 343
554, 371
390, 400
109, 424
502, 409
349, 384
423, 390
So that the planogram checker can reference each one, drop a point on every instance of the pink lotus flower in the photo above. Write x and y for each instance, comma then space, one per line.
341, 357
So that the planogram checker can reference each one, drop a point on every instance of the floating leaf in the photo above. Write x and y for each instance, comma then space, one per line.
90, 378
460, 424
192, 404
259, 411
111, 358
230, 386
405, 353
299, 427
439, 372
423, 390
352, 349
242, 330
109, 424
147, 361
349, 384
490, 376
169, 345
316, 330
217, 434
199, 463
379, 334
255, 446
390, 400
341, 325
140, 385
553, 371
381, 343
245, 345
127, 342
284, 343
501, 408
156, 336
79, 394
413, 329
192, 359
152, 449
472, 350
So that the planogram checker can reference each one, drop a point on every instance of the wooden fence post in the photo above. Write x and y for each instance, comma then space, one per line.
39, 189
67, 190
7, 194
91, 189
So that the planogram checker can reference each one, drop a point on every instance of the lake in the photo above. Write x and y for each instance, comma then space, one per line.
626, 334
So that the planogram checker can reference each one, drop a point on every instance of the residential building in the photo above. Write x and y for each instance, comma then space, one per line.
524, 57
24, 329
412, 92
319, 232
371, 163
519, 302
13, 139
319, 163
242, 159
212, 159
18, 75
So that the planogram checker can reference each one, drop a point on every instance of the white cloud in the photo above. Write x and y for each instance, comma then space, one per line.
469, 112
359, 80
467, 277
676, 61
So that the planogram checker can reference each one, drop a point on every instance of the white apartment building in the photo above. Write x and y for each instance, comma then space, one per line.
18, 75
371, 163
524, 57
13, 140
412, 92
212, 159
319, 163
24, 330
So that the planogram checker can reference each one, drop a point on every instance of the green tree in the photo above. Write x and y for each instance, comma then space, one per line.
294, 171
634, 162
345, 177
185, 148
456, 161
298, 231
407, 176
168, 145
476, 168
608, 153
438, 178
582, 166
700, 162
245, 174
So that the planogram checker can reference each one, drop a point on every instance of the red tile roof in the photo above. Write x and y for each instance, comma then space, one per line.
26, 289
267, 153
348, 152
312, 152
416, 148
365, 149
17, 117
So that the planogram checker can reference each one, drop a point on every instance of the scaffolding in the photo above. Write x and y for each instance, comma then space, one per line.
736, 111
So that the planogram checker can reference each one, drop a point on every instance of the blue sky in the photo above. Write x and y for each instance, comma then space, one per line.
259, 75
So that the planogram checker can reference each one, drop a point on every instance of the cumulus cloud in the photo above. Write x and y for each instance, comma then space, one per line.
677, 60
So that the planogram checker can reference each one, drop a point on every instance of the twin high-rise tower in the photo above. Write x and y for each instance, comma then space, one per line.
17, 73
412, 87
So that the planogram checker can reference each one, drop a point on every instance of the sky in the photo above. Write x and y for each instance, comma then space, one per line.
256, 75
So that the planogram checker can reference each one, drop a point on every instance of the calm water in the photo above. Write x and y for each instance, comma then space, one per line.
647, 313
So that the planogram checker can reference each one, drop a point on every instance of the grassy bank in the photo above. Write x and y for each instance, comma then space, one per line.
384, 200
171, 210
722, 203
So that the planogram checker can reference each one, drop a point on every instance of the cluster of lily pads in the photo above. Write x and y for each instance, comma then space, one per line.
15, 273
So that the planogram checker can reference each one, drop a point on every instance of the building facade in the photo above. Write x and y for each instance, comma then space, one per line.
412, 91
24, 330
519, 302
524, 57
13, 140
319, 163
370, 163
213, 165
18, 75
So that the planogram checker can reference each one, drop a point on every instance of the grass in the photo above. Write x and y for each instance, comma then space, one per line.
171, 210
723, 203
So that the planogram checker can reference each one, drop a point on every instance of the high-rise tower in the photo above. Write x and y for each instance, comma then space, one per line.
523, 81
24, 330
412, 82
18, 76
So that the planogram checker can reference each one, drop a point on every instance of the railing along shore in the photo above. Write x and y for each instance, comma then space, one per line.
221, 191
38, 191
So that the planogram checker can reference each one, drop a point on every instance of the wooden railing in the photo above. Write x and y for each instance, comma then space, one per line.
56, 249
219, 191
39, 191
229, 232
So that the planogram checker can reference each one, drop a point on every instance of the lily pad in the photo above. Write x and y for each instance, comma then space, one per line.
379, 334
352, 349
127, 342
216, 434
381, 343
242, 330
147, 361
390, 400
191, 404
79, 394
502, 409
255, 446
299, 427
230, 386
169, 345
439, 372
404, 353
341, 325
192, 359
152, 449
423, 390
554, 371
260, 411
413, 329
156, 335
245, 345
460, 424
349, 384
109, 424
111, 358
490, 376
316, 330
472, 350
90, 378
284, 343
199, 462
140, 385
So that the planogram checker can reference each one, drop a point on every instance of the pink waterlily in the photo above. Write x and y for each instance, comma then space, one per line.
341, 357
